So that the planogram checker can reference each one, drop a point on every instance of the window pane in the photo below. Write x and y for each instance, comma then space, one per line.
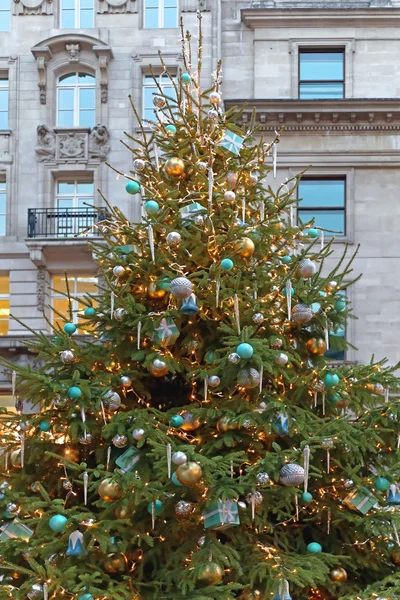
312, 91
151, 17
86, 284
68, 79
86, 118
85, 78
3, 82
5, 19
321, 66
87, 98
3, 99
2, 225
60, 286
321, 193
170, 3
87, 4
3, 120
68, 4
65, 187
86, 18
4, 285
66, 118
333, 221
68, 19
65, 203
2, 200
170, 17
85, 188
61, 305
152, 3
66, 99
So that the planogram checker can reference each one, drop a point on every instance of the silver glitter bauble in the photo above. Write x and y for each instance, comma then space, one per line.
258, 318
263, 478
120, 440
158, 368
183, 508
348, 484
198, 220
213, 114
281, 358
248, 378
173, 239
119, 314
12, 507
215, 98
254, 497
181, 287
230, 196
119, 271
306, 268
35, 486
331, 286
202, 166
318, 386
137, 434
87, 439
234, 358
379, 389
327, 443
159, 101
276, 343
301, 313
202, 541
291, 475
112, 400
126, 381
213, 381
139, 164
242, 504
67, 357
179, 458
67, 484
35, 592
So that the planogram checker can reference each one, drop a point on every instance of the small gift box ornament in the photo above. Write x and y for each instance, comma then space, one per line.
231, 142
221, 515
128, 460
189, 306
75, 544
281, 425
15, 529
190, 212
165, 333
393, 496
361, 500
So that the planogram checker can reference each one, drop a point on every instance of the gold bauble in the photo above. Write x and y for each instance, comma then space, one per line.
15, 458
115, 563
189, 422
244, 247
109, 490
189, 473
210, 574
338, 574
224, 424
153, 291
158, 368
395, 556
316, 346
175, 167
122, 512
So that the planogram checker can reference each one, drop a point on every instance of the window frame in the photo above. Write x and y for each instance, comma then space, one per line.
321, 50
75, 295
77, 15
3, 190
160, 15
6, 11
151, 84
76, 87
6, 297
326, 177
5, 77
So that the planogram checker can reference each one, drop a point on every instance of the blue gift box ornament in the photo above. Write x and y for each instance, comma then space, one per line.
283, 593
189, 306
281, 425
231, 142
75, 544
393, 497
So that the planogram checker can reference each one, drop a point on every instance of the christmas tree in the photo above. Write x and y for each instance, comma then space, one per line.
200, 444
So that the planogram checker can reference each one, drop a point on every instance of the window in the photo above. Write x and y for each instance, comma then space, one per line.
4, 303
72, 200
150, 89
321, 74
79, 286
161, 13
77, 14
337, 338
76, 100
3, 101
3, 206
323, 199
4, 16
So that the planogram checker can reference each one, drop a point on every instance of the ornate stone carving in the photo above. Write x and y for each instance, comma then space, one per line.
98, 142
103, 64
117, 6
71, 145
41, 288
46, 143
32, 7
43, 55
194, 5
73, 51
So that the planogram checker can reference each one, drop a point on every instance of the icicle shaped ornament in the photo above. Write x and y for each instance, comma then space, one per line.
151, 242
237, 313
139, 331
289, 298
85, 487
169, 460
210, 188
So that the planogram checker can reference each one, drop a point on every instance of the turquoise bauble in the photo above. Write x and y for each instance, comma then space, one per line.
158, 505
74, 392
58, 523
185, 78
313, 233
334, 398
45, 426
306, 497
322, 293
132, 187
171, 129
340, 305
164, 284
89, 311
314, 548
245, 350
8, 515
176, 421
210, 357
286, 259
227, 264
85, 597
285, 292
382, 484
151, 206
175, 480
331, 379
69, 328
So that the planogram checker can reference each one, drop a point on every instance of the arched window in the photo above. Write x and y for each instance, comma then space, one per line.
76, 100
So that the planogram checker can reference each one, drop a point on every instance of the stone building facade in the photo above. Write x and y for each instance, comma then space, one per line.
67, 68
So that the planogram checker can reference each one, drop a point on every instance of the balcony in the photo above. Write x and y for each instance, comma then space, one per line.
67, 223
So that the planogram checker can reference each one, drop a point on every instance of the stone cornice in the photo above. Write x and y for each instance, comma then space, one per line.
307, 17
322, 115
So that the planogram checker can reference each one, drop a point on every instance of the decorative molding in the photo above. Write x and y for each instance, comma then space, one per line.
43, 55
98, 142
103, 66
45, 148
71, 145
194, 5
117, 6
73, 51
41, 288
32, 7
168, 57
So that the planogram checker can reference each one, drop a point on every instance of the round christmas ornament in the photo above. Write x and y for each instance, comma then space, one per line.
185, 78
331, 379
338, 574
287, 259
139, 165
132, 187
348, 484
245, 350
74, 392
109, 490
202, 166
86, 439
395, 557
189, 422
226, 264
251, 595
213, 381
176, 421
334, 398
316, 346
69, 328
45, 425
248, 378
189, 473
234, 358
244, 247
118, 271
126, 381
119, 440
262, 478
215, 98
151, 206
210, 574
57, 523
213, 114
119, 314
67, 357
158, 368
379, 389
331, 286
35, 486
301, 314
181, 287
183, 508
170, 129
115, 562
67, 485
85, 597
312, 233
137, 434
154, 291
281, 359
155, 506
230, 196
340, 305
255, 497
285, 292
89, 312
122, 512
314, 548
276, 343
179, 458
174, 167
306, 497
12, 508
175, 480
224, 424
291, 475
258, 318
159, 101
382, 484
112, 400
306, 268
173, 239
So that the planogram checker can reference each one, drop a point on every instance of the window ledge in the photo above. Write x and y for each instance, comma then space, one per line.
72, 130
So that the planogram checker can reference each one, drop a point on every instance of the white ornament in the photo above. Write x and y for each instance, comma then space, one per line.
119, 271
119, 314
230, 196
139, 164
181, 287
301, 313
281, 359
234, 358
126, 381
291, 475
137, 434
215, 98
179, 458
248, 378
306, 268
67, 357
214, 381
174, 239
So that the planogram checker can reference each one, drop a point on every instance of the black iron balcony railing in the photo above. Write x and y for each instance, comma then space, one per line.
63, 223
